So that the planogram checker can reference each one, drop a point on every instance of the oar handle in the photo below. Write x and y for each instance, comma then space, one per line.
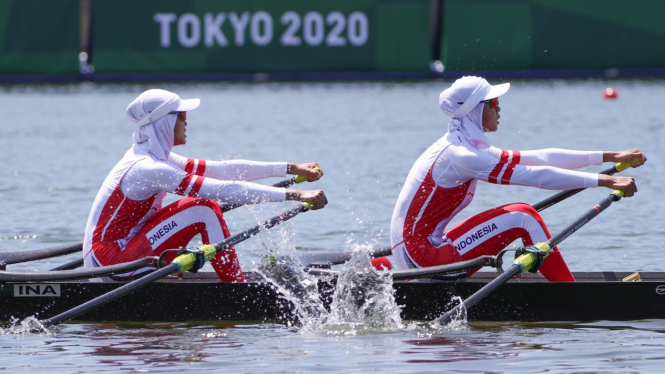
621, 166
281, 184
295, 180
563, 195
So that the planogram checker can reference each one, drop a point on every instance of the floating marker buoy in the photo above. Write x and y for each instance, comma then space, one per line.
610, 93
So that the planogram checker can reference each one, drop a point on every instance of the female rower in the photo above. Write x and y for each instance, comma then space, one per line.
127, 220
443, 180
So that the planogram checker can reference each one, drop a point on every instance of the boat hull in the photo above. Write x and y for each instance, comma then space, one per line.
200, 297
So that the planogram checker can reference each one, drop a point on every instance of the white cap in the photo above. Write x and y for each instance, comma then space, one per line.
154, 104
465, 93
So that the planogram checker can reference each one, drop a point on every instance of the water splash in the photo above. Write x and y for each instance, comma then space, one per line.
364, 296
363, 300
27, 326
281, 267
458, 318
301, 289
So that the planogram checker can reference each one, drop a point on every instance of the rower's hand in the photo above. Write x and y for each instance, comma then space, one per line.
625, 184
310, 170
621, 156
315, 197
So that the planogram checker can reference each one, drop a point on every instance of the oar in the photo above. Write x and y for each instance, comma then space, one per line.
182, 263
528, 260
281, 184
65, 249
329, 259
563, 195
45, 276
426, 272
61, 250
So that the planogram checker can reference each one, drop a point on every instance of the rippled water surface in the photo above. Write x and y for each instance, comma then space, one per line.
59, 142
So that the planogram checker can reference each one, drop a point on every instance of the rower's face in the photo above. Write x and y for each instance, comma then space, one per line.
179, 137
491, 117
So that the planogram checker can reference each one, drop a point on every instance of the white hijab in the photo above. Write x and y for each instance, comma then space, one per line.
467, 117
156, 138
154, 111
471, 127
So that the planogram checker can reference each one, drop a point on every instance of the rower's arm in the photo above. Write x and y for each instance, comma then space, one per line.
556, 157
234, 170
475, 164
149, 177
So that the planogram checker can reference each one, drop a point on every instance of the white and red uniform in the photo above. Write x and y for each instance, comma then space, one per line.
126, 221
442, 183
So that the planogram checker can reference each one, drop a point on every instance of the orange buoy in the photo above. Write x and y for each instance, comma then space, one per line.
610, 93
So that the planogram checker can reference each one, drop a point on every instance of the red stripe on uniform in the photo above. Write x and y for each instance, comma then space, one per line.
497, 169
189, 167
201, 168
198, 182
422, 219
184, 184
505, 179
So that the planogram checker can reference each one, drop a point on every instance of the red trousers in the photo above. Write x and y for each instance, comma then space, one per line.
486, 233
173, 227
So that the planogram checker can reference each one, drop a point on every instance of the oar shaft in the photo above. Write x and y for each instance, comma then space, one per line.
454, 268
60, 275
504, 277
336, 258
432, 271
256, 229
556, 198
38, 254
281, 184
181, 263
110, 296
286, 183
583, 219
563, 195
69, 266
526, 261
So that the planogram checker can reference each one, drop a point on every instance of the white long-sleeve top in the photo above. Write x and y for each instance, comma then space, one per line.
135, 188
443, 180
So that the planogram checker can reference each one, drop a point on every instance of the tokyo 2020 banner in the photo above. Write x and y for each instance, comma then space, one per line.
260, 36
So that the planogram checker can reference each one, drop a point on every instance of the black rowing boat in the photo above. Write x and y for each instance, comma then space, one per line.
201, 297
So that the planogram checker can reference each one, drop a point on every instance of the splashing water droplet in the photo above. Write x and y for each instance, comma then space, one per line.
364, 297
458, 318
29, 325
282, 268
